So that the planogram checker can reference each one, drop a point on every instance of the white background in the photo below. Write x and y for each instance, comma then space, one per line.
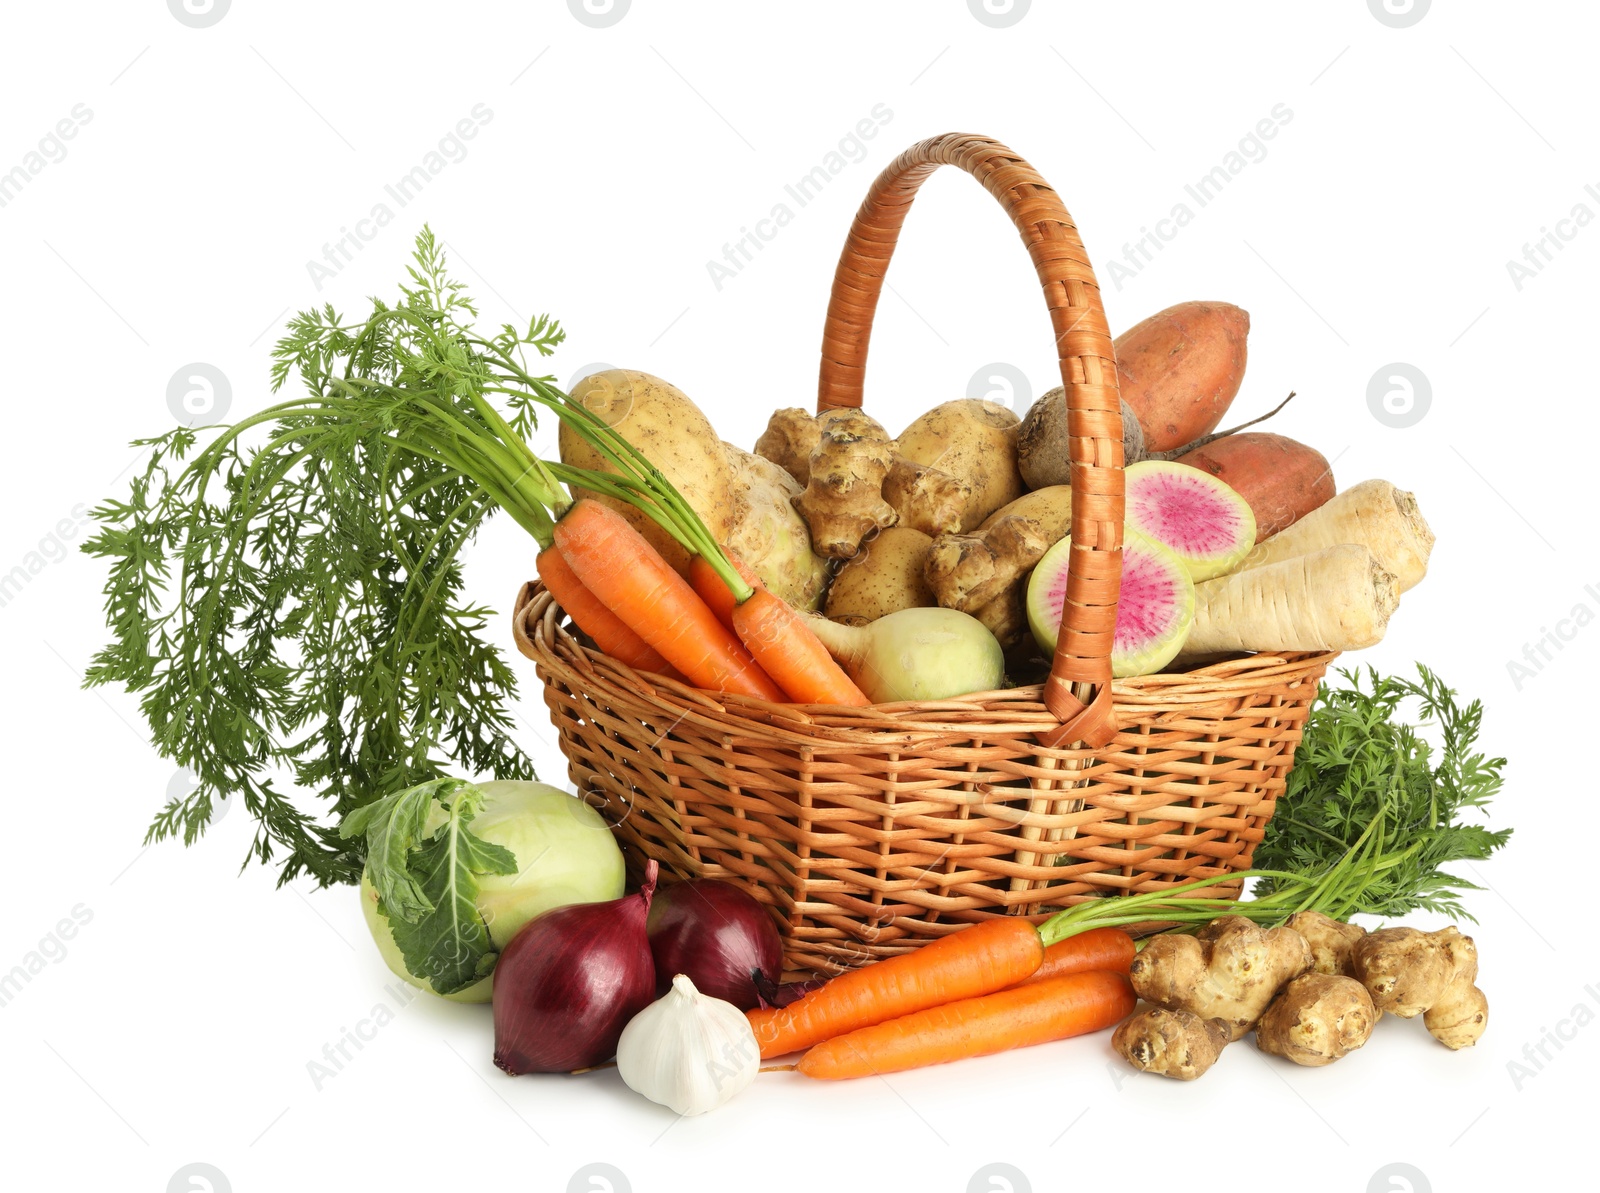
178, 1026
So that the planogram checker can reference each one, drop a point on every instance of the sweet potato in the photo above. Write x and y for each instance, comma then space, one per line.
1180, 369
1281, 479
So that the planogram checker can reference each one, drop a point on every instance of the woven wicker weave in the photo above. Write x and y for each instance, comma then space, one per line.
869, 831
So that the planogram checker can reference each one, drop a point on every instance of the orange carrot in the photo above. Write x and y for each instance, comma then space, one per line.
1100, 948
590, 615
783, 644
986, 957
628, 575
1033, 1013
714, 591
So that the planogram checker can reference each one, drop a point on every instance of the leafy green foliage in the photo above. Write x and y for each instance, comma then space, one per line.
427, 879
286, 600
1363, 776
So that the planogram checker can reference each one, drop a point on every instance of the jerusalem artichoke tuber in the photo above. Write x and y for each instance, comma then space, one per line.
1432, 974
1229, 970
843, 499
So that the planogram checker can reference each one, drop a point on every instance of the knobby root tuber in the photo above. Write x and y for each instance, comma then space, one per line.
1432, 974
1229, 970
843, 499
1331, 941
1316, 1019
1177, 1044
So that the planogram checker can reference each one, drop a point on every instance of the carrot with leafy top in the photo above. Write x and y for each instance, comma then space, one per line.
714, 591
591, 615
1100, 948
781, 641
988, 956
778, 638
627, 574
1033, 1013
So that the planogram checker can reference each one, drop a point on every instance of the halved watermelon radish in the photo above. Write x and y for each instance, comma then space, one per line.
1154, 612
1198, 517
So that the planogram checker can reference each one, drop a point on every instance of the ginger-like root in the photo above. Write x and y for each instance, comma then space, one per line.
1331, 941
1177, 1044
1006, 617
1316, 1019
927, 498
843, 499
1229, 970
1432, 974
790, 438
967, 571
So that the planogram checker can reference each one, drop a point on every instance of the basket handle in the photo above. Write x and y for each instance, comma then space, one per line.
1078, 692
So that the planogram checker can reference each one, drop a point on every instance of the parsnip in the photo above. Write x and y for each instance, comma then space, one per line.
1339, 598
1374, 513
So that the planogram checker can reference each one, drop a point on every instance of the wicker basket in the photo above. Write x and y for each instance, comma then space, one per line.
870, 831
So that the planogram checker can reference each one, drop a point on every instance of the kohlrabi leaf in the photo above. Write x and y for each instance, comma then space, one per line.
449, 945
392, 826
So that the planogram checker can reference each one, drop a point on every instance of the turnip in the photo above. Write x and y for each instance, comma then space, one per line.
916, 654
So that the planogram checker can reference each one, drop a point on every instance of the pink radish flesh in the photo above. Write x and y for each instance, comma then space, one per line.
1198, 517
1154, 611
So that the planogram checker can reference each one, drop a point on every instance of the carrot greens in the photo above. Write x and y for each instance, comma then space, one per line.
1368, 821
285, 594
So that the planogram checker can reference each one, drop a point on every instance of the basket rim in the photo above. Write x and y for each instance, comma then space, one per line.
541, 635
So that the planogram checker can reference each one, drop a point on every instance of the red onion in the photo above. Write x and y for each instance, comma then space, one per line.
568, 983
718, 935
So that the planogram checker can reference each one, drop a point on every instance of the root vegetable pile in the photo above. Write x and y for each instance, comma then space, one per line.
1277, 560
1208, 990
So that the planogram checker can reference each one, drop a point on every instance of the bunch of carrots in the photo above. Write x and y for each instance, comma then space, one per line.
736, 638
725, 633
985, 989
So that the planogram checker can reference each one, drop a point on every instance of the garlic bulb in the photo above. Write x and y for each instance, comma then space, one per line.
688, 1051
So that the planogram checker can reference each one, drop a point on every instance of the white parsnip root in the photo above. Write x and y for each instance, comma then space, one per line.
1374, 513
1339, 598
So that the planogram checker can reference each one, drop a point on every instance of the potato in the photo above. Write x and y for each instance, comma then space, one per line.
1180, 370
975, 442
1050, 507
884, 577
768, 533
1282, 480
671, 432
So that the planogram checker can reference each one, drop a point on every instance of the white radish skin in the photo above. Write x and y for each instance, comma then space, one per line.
1339, 598
1374, 513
